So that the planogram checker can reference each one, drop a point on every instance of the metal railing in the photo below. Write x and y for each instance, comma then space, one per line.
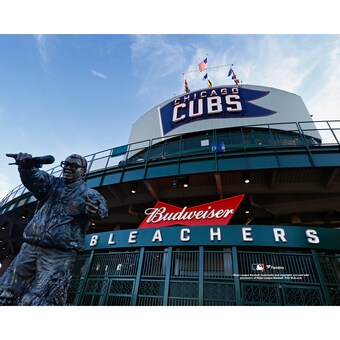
307, 134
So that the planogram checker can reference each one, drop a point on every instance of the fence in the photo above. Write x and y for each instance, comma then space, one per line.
205, 277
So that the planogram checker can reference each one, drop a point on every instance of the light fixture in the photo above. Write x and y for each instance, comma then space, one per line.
246, 206
185, 181
134, 187
174, 183
180, 181
24, 214
246, 177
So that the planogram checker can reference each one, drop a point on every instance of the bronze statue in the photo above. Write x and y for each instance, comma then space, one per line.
40, 274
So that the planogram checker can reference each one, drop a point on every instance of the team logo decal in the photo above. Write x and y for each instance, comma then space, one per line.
214, 213
257, 266
221, 102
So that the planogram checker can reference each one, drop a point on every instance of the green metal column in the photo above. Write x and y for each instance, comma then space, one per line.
85, 277
137, 281
236, 277
167, 277
323, 281
310, 156
147, 158
201, 276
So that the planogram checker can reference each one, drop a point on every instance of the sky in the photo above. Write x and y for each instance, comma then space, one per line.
80, 93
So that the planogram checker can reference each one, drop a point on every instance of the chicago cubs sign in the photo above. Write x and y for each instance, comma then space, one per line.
219, 102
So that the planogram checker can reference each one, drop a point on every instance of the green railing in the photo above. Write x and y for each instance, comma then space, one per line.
306, 135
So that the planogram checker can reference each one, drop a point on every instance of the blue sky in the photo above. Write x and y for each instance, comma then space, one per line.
66, 93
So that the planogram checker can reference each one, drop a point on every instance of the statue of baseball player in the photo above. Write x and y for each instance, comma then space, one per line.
40, 274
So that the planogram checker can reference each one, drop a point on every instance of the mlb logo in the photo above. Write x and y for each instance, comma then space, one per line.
257, 266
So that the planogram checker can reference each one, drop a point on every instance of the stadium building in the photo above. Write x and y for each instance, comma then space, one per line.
227, 195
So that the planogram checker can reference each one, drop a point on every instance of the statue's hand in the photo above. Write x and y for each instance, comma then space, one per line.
20, 158
91, 206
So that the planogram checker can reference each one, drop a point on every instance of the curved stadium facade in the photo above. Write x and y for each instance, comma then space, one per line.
223, 196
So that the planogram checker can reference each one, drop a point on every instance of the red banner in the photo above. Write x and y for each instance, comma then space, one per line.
214, 213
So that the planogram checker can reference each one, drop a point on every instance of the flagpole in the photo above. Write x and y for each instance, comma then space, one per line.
208, 68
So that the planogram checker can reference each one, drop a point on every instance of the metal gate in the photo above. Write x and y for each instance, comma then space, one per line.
279, 279
274, 294
110, 280
205, 277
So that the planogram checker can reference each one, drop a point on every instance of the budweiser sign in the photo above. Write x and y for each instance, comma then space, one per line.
214, 213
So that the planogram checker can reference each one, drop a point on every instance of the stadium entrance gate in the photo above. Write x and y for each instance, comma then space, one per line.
203, 276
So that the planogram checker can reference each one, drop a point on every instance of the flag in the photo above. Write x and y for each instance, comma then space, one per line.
234, 77
186, 86
209, 81
203, 65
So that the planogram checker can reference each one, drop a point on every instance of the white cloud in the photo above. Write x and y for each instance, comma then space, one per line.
98, 74
155, 58
41, 41
276, 61
259, 60
325, 103
307, 65
284, 62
